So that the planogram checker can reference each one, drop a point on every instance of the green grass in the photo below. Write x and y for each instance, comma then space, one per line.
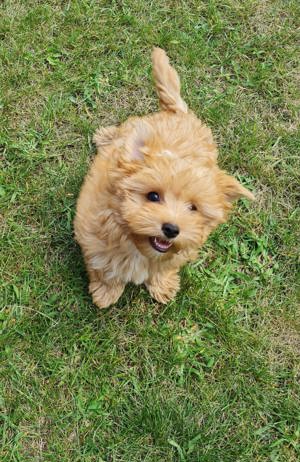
213, 376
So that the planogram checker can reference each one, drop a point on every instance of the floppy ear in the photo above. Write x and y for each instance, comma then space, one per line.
135, 145
104, 135
232, 189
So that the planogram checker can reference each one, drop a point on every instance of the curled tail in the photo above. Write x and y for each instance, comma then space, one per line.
167, 83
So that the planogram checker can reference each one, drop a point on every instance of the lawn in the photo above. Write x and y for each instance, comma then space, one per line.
215, 375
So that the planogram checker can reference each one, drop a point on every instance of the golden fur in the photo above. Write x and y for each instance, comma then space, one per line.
171, 153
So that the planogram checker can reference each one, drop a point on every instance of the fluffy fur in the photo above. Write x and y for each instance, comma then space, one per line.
171, 153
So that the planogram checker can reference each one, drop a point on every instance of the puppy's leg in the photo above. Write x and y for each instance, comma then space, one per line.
163, 286
104, 293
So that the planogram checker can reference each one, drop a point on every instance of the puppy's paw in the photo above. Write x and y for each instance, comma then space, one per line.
104, 295
164, 288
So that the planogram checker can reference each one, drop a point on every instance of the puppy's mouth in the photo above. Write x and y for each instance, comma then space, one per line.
159, 244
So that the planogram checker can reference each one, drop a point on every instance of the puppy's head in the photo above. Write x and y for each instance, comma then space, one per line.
170, 202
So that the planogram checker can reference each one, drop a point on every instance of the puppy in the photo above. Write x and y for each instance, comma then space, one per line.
152, 196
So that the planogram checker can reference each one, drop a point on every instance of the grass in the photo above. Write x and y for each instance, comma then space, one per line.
213, 376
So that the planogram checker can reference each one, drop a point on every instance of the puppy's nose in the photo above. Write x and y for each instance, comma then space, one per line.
170, 230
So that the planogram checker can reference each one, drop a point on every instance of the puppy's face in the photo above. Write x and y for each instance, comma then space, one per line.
170, 203
163, 206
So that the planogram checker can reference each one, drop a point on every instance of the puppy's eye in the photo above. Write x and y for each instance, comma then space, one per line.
153, 196
192, 207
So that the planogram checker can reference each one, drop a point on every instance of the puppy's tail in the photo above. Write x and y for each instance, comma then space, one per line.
167, 83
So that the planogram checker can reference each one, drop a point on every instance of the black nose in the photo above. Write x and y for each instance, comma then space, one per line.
170, 230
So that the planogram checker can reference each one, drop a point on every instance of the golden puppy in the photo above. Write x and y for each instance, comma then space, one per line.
152, 196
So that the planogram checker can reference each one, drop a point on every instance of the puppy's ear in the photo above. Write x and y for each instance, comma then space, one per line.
104, 135
135, 146
232, 189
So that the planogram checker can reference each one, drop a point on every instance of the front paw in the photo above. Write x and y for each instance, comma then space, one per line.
164, 289
103, 294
